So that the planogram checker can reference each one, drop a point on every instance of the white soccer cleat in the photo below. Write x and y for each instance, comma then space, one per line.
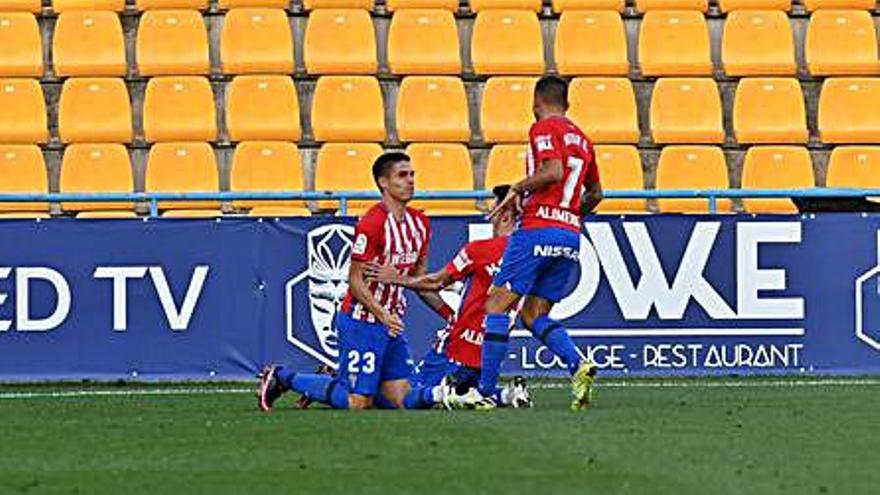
452, 399
516, 394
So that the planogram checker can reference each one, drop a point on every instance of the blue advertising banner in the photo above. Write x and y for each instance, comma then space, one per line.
215, 299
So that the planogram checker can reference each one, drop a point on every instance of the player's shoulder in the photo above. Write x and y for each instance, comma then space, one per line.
374, 217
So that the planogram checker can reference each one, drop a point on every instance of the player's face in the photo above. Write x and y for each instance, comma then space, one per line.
401, 182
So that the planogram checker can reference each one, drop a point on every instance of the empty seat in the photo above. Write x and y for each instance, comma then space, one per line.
854, 166
96, 168
481, 5
179, 108
267, 4
262, 108
686, 110
172, 4
339, 41
35, 6
566, 5
70, 5
757, 43
432, 109
180, 168
776, 167
256, 41
395, 5
605, 108
506, 165
841, 42
812, 5
338, 4
849, 110
692, 167
348, 108
591, 43
734, 5
22, 170
443, 167
648, 5
172, 42
674, 42
507, 42
23, 119
769, 110
21, 49
94, 110
506, 110
268, 166
620, 168
423, 42
346, 167
88, 43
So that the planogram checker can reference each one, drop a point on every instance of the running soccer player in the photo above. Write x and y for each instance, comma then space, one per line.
456, 353
543, 251
374, 358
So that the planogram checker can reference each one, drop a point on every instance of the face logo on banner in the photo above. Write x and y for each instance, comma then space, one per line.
329, 257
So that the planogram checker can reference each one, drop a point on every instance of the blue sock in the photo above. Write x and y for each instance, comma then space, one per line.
382, 402
494, 351
421, 397
321, 388
551, 333
284, 375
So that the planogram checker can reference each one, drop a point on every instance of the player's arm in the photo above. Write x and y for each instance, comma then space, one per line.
591, 198
550, 172
387, 274
358, 285
431, 297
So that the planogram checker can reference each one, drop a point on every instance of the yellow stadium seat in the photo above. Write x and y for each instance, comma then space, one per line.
443, 167
692, 167
105, 214
21, 49
481, 5
776, 167
674, 42
267, 166
172, 42
769, 110
423, 42
256, 41
338, 4
841, 42
24, 215
94, 110
144, 5
181, 167
506, 110
346, 167
35, 6
266, 4
22, 170
395, 5
506, 165
605, 108
686, 110
89, 43
70, 5
854, 166
591, 43
348, 108
23, 119
507, 42
566, 5
849, 110
262, 108
648, 5
620, 168
432, 109
812, 5
179, 108
96, 168
757, 43
198, 213
340, 41
734, 5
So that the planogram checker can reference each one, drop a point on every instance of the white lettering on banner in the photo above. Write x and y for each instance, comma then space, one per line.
23, 276
4, 324
751, 279
120, 276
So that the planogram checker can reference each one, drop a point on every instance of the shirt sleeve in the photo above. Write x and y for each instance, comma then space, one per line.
462, 265
368, 240
592, 175
545, 143
427, 223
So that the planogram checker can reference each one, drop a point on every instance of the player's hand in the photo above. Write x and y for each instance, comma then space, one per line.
375, 272
513, 196
393, 323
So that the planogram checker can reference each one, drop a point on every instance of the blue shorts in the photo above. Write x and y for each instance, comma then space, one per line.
368, 356
540, 262
431, 370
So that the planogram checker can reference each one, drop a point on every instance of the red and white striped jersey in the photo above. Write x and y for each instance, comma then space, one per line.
379, 237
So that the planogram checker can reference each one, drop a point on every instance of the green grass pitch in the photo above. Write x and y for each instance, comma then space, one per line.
750, 436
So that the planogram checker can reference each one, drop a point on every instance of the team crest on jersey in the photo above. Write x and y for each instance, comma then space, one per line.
324, 281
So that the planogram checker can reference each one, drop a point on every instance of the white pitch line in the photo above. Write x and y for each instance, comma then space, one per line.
829, 382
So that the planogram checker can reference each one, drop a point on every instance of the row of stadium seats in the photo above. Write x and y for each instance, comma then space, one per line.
175, 42
276, 166
451, 5
350, 108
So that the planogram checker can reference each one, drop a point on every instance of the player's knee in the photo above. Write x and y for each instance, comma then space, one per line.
356, 401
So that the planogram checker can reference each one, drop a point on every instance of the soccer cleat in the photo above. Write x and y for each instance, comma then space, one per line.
270, 388
485, 403
582, 386
453, 399
517, 394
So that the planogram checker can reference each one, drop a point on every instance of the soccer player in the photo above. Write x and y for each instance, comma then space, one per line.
543, 252
374, 358
456, 354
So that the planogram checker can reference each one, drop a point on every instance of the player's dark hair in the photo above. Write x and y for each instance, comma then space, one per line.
383, 165
500, 191
553, 90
